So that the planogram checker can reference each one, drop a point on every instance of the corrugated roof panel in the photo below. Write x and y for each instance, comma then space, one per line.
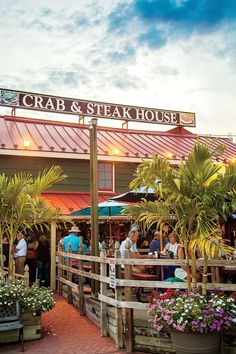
77, 139
67, 202
64, 138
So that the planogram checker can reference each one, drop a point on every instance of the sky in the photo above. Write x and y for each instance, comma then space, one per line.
165, 54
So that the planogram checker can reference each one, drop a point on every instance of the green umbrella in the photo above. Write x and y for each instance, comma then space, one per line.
108, 208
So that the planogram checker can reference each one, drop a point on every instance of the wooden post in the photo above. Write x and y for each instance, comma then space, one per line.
12, 277
103, 289
82, 309
118, 296
128, 312
69, 277
161, 249
26, 275
60, 271
53, 256
94, 200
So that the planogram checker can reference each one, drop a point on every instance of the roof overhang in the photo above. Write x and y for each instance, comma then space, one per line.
58, 155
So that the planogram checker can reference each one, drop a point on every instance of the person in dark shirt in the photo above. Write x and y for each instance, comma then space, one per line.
5, 251
155, 245
43, 261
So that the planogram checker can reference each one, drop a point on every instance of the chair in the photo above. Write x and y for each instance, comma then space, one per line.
10, 319
139, 291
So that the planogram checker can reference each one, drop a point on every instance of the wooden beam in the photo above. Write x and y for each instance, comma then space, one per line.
53, 256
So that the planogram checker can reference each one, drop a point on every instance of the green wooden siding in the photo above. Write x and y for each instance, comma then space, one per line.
77, 171
124, 173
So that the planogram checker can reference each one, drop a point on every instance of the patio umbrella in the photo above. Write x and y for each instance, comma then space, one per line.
136, 195
108, 208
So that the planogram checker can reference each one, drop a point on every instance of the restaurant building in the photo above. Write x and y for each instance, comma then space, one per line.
31, 144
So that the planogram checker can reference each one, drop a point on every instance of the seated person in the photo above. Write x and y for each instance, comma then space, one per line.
155, 244
177, 250
145, 244
132, 238
143, 247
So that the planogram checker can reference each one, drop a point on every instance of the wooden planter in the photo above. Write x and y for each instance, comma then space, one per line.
32, 329
195, 343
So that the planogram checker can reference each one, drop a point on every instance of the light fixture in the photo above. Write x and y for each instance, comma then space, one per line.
168, 155
26, 144
115, 152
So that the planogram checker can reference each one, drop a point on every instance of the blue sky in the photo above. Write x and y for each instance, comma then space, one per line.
172, 54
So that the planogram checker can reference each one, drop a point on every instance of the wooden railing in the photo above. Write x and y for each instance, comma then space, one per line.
4, 276
119, 277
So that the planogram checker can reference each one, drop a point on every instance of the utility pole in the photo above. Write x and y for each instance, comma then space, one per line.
94, 200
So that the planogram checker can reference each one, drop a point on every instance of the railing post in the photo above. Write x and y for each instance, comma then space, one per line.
128, 312
13, 276
60, 271
53, 256
26, 275
82, 309
118, 297
103, 290
69, 277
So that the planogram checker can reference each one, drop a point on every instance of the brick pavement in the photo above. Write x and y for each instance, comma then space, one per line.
66, 332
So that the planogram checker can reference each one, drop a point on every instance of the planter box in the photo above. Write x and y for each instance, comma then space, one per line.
32, 329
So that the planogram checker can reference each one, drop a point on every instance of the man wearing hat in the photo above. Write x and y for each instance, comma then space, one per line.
73, 238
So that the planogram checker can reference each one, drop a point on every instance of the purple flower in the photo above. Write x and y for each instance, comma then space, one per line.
192, 312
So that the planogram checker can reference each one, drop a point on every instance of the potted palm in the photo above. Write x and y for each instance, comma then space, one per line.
21, 207
199, 195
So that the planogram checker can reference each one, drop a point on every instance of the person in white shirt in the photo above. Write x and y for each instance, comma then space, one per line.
20, 254
177, 250
132, 238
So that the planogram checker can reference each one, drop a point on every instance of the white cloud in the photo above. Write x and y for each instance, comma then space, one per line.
70, 48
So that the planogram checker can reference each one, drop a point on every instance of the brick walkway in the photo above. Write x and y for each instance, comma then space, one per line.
66, 332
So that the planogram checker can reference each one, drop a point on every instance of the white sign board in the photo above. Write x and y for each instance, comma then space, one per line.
112, 276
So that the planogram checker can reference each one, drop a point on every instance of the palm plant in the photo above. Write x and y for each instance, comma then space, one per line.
199, 196
21, 207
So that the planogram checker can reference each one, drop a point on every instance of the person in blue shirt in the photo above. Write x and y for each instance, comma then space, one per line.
73, 238
155, 244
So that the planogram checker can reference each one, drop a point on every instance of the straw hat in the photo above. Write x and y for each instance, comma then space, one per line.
74, 229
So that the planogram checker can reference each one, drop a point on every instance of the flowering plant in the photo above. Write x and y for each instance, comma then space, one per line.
182, 311
35, 299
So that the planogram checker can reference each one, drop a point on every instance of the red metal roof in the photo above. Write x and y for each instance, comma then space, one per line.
60, 139
68, 202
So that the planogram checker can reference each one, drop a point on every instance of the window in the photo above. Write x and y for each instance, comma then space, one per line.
105, 176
